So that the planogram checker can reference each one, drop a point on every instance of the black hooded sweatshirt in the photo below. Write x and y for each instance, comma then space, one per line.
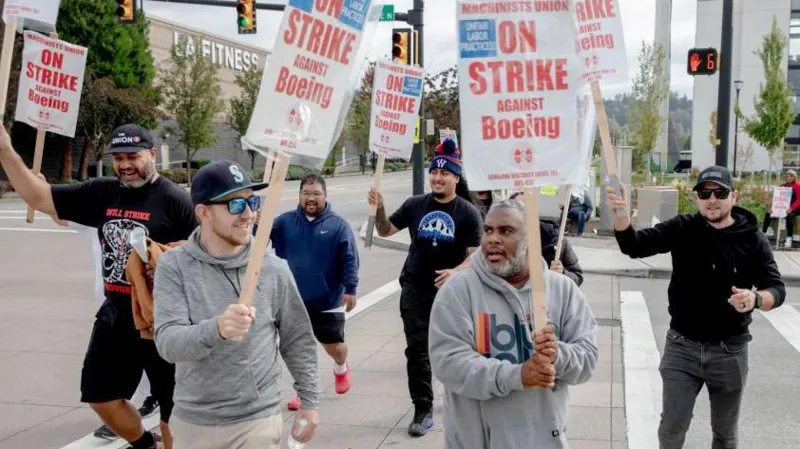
706, 264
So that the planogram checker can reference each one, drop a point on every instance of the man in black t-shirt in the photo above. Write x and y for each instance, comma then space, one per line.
445, 229
138, 198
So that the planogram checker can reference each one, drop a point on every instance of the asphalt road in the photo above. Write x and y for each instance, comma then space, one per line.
771, 404
47, 308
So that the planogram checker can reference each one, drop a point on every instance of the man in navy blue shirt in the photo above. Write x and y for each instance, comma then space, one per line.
321, 250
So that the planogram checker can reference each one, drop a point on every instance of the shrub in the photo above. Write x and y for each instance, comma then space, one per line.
177, 176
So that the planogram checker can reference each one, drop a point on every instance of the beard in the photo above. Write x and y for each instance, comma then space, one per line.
146, 175
512, 266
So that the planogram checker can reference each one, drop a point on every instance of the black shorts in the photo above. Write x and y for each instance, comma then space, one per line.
116, 358
328, 327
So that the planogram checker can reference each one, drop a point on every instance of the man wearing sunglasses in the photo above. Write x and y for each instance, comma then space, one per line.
227, 355
722, 268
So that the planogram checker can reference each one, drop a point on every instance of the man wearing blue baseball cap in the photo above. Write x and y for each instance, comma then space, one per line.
227, 355
137, 198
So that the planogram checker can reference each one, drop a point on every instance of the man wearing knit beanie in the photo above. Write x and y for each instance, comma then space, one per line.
445, 229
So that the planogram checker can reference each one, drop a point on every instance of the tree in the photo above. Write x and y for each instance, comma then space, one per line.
192, 95
442, 104
359, 116
774, 114
240, 108
648, 91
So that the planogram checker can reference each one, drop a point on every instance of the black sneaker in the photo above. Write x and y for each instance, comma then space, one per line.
422, 422
156, 438
149, 407
106, 434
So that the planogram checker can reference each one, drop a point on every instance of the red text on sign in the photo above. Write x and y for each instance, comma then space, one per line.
520, 128
323, 39
518, 76
390, 125
389, 100
517, 38
394, 83
594, 9
594, 41
304, 88
49, 74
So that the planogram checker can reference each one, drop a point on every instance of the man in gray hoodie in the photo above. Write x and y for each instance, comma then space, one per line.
502, 391
227, 355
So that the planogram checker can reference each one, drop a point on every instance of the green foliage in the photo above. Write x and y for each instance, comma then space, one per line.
774, 114
121, 52
240, 109
192, 95
358, 118
686, 199
648, 91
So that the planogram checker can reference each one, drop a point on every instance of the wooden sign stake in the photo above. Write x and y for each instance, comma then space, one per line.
373, 210
605, 138
5, 62
259, 246
563, 223
535, 268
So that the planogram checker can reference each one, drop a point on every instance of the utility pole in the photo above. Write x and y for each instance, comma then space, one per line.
724, 98
415, 19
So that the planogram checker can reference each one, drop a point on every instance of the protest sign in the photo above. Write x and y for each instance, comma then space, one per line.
50, 84
307, 84
44, 11
396, 98
600, 42
781, 201
448, 134
518, 77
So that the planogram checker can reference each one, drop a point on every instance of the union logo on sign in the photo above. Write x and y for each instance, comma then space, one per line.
523, 156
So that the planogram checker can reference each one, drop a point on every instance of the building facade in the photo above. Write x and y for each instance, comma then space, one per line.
752, 19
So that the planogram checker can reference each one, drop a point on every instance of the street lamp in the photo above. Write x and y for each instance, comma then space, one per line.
738, 84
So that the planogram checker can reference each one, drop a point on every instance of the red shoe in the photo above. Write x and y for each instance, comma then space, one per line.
294, 404
342, 381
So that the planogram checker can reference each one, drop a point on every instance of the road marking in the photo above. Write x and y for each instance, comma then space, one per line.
38, 230
365, 302
642, 379
787, 321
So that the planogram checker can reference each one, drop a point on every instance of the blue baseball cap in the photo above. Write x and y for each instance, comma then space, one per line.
219, 179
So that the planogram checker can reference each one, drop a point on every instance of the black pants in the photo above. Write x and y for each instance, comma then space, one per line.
791, 219
688, 365
415, 308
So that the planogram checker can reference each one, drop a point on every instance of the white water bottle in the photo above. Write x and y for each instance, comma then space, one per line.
301, 427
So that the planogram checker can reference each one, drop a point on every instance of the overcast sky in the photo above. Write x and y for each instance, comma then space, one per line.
638, 18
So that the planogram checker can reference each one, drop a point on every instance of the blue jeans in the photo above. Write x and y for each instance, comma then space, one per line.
685, 367
582, 214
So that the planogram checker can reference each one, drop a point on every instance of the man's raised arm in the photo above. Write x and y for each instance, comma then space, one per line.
32, 189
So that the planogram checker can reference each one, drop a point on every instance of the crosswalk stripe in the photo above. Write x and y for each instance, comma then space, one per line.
786, 320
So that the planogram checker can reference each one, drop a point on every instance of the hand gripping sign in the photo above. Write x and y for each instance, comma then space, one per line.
518, 80
306, 89
396, 98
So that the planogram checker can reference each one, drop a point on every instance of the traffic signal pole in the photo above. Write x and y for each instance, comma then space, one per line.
415, 19
724, 96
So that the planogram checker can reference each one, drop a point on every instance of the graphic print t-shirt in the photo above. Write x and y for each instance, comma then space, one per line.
441, 233
162, 209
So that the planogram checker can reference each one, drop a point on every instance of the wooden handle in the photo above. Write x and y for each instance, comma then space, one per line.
259, 246
563, 223
605, 135
5, 62
538, 304
268, 166
373, 209
37, 165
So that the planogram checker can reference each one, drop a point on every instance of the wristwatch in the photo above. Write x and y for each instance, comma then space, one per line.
759, 300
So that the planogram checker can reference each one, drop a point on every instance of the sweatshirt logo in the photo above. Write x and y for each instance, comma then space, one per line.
505, 341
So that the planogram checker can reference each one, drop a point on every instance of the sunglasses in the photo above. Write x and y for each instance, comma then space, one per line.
237, 205
705, 194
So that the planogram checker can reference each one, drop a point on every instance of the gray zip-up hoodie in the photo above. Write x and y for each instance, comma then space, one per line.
220, 382
478, 342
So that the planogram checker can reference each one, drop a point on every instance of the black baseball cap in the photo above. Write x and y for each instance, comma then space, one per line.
716, 174
219, 179
130, 138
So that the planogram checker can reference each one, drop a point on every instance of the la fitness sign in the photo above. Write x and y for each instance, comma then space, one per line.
221, 54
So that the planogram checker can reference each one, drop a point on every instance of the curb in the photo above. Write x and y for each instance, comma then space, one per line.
641, 273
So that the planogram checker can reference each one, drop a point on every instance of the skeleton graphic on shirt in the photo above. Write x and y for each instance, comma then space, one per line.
117, 248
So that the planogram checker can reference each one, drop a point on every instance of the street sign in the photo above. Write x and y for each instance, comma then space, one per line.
387, 13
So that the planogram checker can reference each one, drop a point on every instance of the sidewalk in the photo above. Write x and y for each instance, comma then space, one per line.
601, 255
375, 413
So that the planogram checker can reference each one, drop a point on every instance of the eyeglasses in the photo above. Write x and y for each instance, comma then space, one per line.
720, 194
314, 194
236, 206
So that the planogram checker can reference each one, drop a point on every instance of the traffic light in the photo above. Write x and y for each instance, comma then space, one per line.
246, 23
126, 11
702, 61
401, 45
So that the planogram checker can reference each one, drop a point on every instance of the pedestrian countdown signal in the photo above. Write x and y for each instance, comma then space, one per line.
702, 61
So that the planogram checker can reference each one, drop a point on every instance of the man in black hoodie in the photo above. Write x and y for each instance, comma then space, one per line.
722, 268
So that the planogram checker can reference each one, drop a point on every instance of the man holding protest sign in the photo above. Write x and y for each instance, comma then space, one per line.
516, 395
445, 229
228, 354
138, 198
790, 181
723, 268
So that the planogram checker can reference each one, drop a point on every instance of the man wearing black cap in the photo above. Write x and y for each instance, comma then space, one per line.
722, 268
227, 355
445, 229
138, 198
